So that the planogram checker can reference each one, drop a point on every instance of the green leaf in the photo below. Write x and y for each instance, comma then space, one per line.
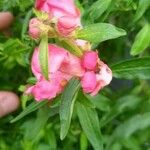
130, 126
90, 123
97, 9
100, 101
142, 7
82, 98
123, 104
67, 104
131, 143
13, 47
51, 139
99, 32
44, 56
42, 117
142, 40
133, 68
26, 23
32, 107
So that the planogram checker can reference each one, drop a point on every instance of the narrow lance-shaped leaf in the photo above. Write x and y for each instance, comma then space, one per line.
122, 104
43, 56
98, 8
99, 32
142, 40
126, 129
67, 105
100, 101
84, 100
25, 23
32, 107
142, 7
43, 114
133, 68
90, 123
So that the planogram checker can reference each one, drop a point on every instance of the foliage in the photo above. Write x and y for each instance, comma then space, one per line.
117, 118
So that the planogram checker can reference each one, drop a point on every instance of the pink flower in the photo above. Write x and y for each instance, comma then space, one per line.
34, 30
64, 11
62, 67
90, 60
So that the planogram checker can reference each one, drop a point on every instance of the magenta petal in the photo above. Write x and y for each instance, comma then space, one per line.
72, 66
88, 82
67, 24
89, 60
56, 57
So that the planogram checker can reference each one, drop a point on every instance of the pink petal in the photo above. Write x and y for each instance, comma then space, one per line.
81, 43
89, 82
56, 57
89, 60
72, 66
58, 8
44, 89
103, 78
105, 74
67, 24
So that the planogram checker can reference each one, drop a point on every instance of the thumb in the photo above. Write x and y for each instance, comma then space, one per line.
9, 102
6, 18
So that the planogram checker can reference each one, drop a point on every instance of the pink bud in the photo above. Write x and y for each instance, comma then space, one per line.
34, 30
89, 82
89, 60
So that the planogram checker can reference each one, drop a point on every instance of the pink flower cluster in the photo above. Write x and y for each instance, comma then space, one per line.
64, 12
63, 65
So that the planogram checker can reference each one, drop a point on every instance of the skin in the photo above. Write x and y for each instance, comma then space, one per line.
6, 19
9, 101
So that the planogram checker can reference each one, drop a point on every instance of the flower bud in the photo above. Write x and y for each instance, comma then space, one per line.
89, 60
34, 30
